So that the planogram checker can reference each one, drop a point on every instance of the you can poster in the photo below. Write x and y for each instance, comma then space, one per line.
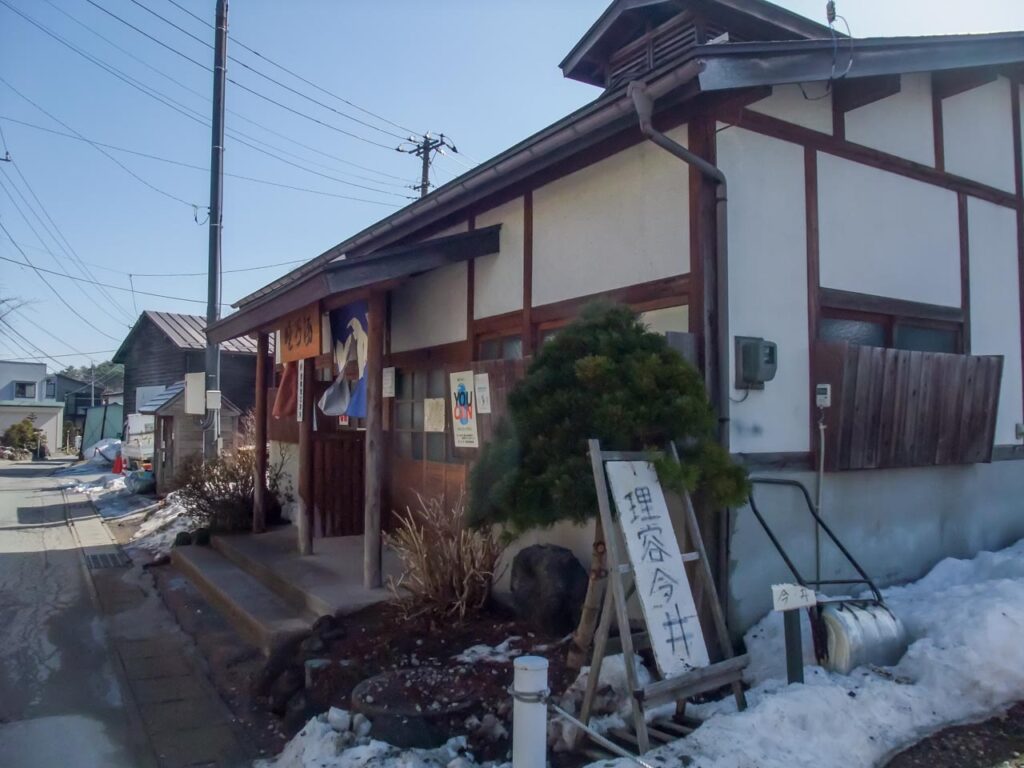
464, 410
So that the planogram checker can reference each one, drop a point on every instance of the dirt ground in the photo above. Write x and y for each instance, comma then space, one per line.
995, 743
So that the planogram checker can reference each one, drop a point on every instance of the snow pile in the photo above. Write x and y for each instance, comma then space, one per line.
966, 661
156, 535
498, 654
334, 741
111, 497
103, 451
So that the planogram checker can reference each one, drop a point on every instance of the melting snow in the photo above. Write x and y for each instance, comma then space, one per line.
500, 653
156, 534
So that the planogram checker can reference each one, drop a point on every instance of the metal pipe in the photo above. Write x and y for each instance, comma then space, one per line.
643, 102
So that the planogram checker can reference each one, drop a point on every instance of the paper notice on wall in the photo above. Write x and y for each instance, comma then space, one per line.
301, 392
662, 585
433, 414
388, 381
482, 387
464, 410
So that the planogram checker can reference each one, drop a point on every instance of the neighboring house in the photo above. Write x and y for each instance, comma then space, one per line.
113, 397
76, 395
163, 346
25, 391
874, 232
179, 435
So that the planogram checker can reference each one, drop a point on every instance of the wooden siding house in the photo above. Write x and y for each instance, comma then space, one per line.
179, 436
163, 346
875, 233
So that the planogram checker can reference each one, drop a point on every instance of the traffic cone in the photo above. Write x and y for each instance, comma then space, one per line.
118, 465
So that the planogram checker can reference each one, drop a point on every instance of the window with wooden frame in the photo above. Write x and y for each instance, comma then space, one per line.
499, 346
411, 440
874, 321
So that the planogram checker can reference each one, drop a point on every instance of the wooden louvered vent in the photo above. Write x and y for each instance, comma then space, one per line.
667, 42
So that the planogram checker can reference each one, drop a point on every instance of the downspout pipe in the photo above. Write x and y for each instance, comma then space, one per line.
644, 104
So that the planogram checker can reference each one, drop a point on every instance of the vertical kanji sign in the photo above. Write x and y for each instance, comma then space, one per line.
662, 585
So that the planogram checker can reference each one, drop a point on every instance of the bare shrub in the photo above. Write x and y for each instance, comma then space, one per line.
448, 569
219, 493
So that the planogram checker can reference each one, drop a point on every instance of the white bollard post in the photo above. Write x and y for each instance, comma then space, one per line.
530, 712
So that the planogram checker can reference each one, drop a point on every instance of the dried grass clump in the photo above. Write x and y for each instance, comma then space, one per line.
448, 570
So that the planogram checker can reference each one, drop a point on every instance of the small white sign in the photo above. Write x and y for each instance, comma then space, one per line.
788, 597
482, 385
662, 585
433, 414
388, 381
300, 390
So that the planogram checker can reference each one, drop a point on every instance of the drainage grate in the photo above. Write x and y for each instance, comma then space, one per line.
116, 559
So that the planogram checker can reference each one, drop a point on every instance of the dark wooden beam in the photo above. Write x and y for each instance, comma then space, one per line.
951, 82
848, 95
471, 296
306, 459
834, 298
374, 441
259, 507
825, 142
965, 272
527, 329
938, 133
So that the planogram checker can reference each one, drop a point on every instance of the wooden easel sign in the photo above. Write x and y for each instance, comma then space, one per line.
662, 586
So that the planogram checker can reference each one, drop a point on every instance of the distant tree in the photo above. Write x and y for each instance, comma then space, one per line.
109, 376
604, 376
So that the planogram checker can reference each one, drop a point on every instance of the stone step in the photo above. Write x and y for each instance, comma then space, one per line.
260, 616
319, 584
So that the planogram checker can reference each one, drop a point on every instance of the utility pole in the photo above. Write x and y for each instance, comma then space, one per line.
92, 387
423, 149
211, 435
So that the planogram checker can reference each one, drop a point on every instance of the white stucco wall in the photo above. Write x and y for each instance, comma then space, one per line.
887, 235
787, 103
618, 222
977, 130
900, 124
995, 304
768, 284
430, 309
498, 279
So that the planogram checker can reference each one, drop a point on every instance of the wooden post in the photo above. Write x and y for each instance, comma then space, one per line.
306, 461
259, 507
374, 441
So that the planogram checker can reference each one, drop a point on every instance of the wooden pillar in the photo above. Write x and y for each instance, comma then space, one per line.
259, 507
373, 471
305, 510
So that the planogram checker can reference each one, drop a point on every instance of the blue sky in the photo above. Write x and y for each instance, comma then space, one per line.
484, 73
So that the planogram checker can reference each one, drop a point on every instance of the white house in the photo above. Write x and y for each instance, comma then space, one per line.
27, 392
874, 233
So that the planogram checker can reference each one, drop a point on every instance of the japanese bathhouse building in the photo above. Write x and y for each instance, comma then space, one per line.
871, 229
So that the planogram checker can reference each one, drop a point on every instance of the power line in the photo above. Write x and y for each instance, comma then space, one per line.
39, 272
31, 345
235, 82
184, 274
177, 107
63, 243
149, 156
43, 243
69, 354
278, 83
102, 151
92, 282
237, 114
297, 76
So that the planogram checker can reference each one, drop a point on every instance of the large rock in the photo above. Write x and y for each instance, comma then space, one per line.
548, 587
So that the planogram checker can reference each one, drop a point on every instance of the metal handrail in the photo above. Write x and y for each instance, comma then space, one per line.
864, 578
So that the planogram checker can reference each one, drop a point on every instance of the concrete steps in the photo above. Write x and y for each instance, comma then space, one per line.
260, 615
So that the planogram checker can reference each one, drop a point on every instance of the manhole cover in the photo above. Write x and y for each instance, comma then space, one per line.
116, 559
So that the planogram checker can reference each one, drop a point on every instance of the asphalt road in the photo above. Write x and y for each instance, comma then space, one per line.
61, 703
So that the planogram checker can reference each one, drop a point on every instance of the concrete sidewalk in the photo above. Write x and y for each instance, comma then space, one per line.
95, 672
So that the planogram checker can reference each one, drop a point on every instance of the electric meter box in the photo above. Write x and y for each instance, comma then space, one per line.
756, 362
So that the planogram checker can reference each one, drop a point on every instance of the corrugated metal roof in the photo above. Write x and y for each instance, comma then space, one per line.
157, 402
189, 332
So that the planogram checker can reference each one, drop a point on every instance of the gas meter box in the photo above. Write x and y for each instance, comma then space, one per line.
756, 362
